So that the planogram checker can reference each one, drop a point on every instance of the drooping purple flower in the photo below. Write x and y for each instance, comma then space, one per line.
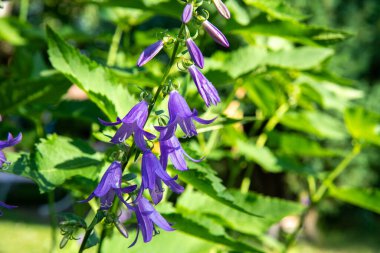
132, 123
150, 52
152, 175
180, 113
205, 88
4, 205
8, 143
222, 9
195, 53
147, 216
187, 13
109, 186
171, 148
215, 34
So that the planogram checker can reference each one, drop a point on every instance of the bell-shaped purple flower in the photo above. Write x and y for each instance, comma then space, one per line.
180, 113
150, 52
195, 53
132, 123
205, 88
171, 148
8, 143
152, 175
222, 8
4, 205
215, 34
109, 186
147, 216
187, 13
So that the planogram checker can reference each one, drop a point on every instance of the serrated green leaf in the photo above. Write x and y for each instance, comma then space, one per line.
56, 160
100, 83
204, 179
363, 124
278, 9
272, 210
32, 92
293, 31
238, 62
320, 124
364, 198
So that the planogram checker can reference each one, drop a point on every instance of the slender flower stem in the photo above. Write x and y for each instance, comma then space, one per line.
112, 53
24, 6
261, 140
317, 195
336, 172
133, 148
53, 221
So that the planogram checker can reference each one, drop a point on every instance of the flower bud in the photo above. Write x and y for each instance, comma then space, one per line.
195, 53
187, 13
216, 35
222, 9
150, 52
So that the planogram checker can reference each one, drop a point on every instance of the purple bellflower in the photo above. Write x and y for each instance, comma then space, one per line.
215, 34
147, 216
150, 52
8, 143
180, 113
109, 186
195, 53
152, 175
187, 13
132, 123
205, 88
171, 148
222, 9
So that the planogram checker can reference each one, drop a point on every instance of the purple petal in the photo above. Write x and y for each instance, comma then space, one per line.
92, 195
160, 221
123, 133
3, 159
129, 189
107, 200
149, 165
139, 140
110, 179
2, 204
145, 224
168, 131
215, 34
138, 114
172, 184
10, 141
195, 53
157, 193
105, 123
204, 86
177, 106
187, 13
150, 52
222, 9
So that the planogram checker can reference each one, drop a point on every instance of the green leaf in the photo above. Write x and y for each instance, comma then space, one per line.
208, 229
363, 124
204, 179
171, 241
32, 92
293, 31
267, 160
100, 83
238, 62
277, 9
364, 198
272, 210
9, 32
320, 124
302, 58
56, 160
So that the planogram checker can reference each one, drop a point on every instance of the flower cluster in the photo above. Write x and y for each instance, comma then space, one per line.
11, 141
153, 170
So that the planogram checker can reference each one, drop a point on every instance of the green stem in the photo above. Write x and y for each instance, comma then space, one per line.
336, 172
112, 53
53, 221
261, 140
24, 6
132, 149
317, 195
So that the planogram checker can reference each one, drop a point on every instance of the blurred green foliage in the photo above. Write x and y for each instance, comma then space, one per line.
290, 122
